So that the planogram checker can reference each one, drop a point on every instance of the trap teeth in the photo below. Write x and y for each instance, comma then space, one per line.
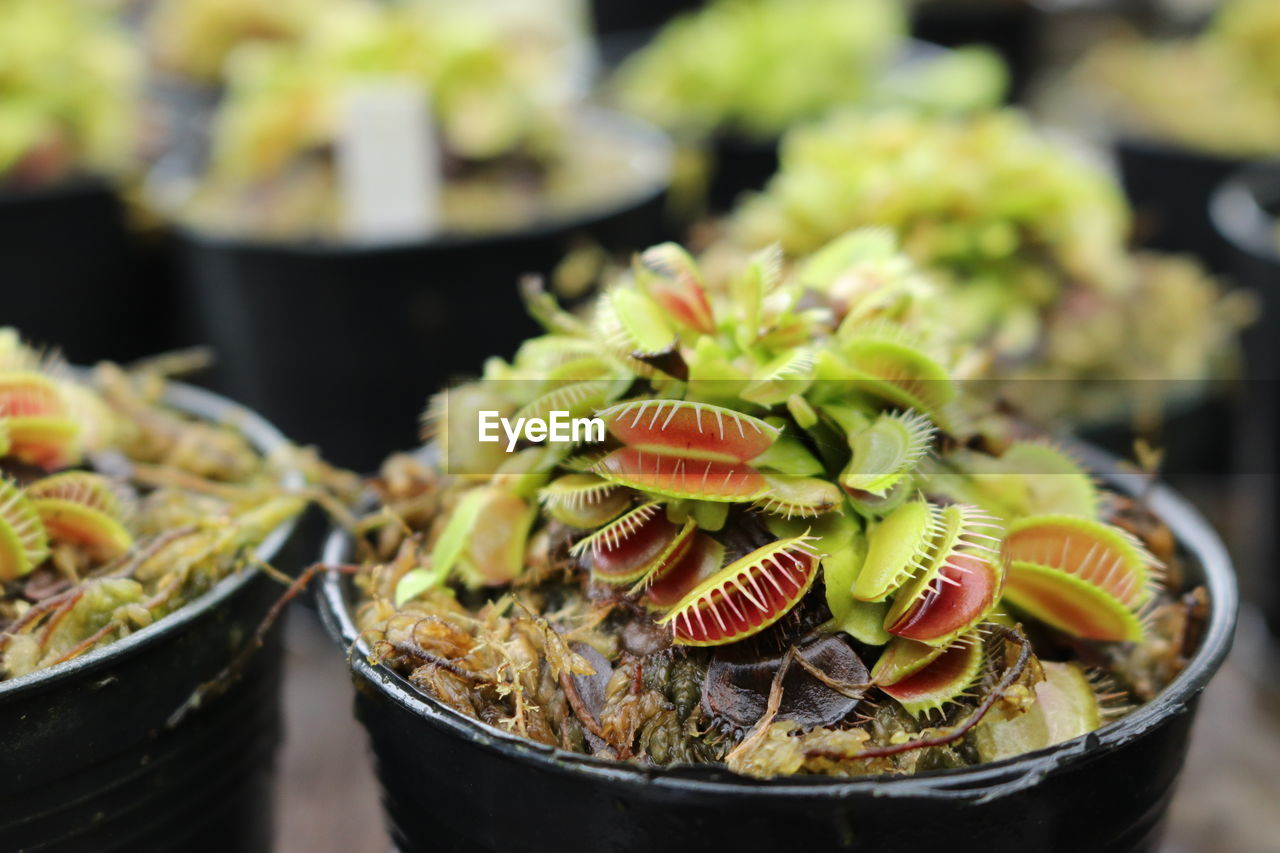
941, 680
23, 541
961, 595
584, 500
799, 497
575, 399
676, 285
83, 509
746, 596
694, 430
1080, 576
38, 427
672, 581
897, 548
682, 477
639, 543
886, 451
955, 582
888, 365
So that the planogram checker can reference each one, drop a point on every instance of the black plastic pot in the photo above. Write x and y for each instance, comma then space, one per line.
1170, 188
739, 164
1196, 436
88, 760
71, 272
341, 344
1246, 213
614, 16
452, 784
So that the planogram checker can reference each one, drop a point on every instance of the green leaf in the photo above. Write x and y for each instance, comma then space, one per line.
412, 584
448, 548
643, 320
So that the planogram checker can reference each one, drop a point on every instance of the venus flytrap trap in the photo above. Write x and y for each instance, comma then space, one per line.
799, 543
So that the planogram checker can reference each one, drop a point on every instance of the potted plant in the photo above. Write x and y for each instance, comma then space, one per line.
800, 587
1031, 239
730, 79
67, 117
1185, 113
276, 234
134, 514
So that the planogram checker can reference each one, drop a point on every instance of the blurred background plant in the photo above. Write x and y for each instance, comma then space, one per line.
503, 97
69, 82
1217, 91
1030, 238
194, 38
738, 73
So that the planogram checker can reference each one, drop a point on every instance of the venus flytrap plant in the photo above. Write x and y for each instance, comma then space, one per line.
89, 556
785, 487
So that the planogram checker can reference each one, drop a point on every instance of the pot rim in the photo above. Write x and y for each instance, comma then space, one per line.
976, 784
266, 439
1238, 214
650, 143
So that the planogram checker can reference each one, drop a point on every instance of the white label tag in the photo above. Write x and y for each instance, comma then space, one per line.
388, 162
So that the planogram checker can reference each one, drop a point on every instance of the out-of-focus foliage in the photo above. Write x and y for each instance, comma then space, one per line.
1219, 92
1029, 237
503, 96
68, 82
115, 510
755, 67
489, 97
193, 38
987, 202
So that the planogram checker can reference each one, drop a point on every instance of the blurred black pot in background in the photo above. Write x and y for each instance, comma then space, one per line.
72, 271
738, 164
1246, 212
341, 344
610, 17
1169, 188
